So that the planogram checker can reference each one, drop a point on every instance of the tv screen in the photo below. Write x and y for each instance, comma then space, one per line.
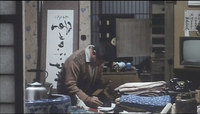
190, 51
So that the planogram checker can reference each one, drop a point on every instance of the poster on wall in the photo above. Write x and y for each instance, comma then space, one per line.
191, 20
59, 41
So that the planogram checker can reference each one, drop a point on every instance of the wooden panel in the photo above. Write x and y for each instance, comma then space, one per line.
119, 79
158, 77
169, 40
133, 37
158, 42
158, 36
158, 9
158, 66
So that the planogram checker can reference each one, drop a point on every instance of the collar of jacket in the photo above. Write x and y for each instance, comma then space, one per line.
87, 53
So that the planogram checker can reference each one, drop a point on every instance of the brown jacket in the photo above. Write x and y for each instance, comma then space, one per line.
76, 76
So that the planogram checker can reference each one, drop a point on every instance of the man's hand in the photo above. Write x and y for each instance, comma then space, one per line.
94, 102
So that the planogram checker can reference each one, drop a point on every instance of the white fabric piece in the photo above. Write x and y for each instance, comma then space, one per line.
87, 53
139, 85
80, 103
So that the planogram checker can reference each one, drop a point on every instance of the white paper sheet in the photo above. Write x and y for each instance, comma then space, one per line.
191, 19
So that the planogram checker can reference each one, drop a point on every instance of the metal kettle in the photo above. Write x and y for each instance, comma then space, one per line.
36, 91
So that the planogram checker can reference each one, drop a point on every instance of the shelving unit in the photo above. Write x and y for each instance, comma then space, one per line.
158, 41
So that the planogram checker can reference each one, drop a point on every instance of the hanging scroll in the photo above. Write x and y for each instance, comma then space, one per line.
59, 41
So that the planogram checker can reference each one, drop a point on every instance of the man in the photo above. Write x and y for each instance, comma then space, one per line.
81, 73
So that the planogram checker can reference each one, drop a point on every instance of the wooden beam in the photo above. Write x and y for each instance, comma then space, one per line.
169, 40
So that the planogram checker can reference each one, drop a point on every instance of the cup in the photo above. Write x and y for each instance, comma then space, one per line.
128, 65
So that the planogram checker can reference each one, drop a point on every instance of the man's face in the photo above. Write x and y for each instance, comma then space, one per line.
95, 61
99, 62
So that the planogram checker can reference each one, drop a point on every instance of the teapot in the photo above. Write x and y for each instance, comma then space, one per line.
36, 91
186, 103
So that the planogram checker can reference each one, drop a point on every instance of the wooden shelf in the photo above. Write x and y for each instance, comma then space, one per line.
158, 36
157, 59
121, 73
157, 73
158, 26
158, 45
158, 9
158, 41
145, 73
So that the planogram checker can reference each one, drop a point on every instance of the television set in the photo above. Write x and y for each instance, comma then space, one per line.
190, 51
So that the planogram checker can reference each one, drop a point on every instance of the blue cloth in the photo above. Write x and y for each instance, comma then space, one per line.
149, 103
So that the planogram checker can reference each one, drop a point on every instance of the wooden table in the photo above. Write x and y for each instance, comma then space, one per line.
119, 78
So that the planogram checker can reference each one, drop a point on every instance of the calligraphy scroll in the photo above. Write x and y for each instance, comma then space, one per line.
59, 41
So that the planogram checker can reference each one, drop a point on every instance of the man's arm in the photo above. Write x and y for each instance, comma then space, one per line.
72, 75
72, 70
100, 81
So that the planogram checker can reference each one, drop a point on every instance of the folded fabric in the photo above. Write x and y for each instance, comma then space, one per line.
149, 103
135, 86
146, 93
141, 90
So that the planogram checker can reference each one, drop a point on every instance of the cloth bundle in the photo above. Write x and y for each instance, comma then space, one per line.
142, 87
143, 96
153, 103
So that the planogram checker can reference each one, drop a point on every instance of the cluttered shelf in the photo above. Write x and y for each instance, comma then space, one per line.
121, 73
